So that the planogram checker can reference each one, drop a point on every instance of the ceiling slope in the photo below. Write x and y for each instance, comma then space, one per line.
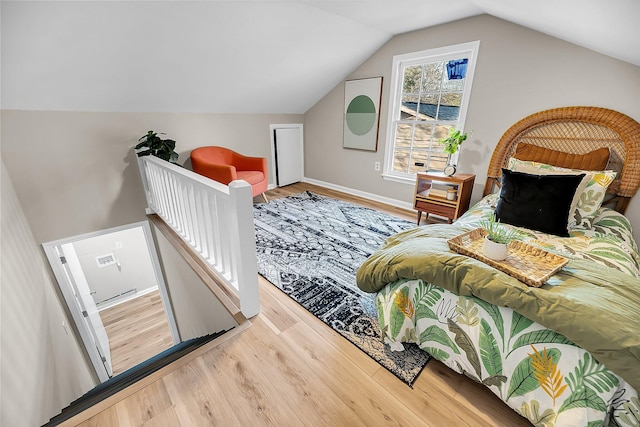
245, 56
609, 27
399, 16
249, 57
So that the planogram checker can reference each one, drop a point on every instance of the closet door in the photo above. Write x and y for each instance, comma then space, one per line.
288, 155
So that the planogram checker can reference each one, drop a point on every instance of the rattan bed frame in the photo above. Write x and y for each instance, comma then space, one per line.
578, 130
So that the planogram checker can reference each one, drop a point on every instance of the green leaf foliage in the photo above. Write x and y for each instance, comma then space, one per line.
422, 311
531, 410
409, 336
609, 256
467, 312
466, 344
382, 300
611, 252
489, 351
523, 380
427, 294
612, 222
519, 323
436, 334
396, 320
589, 198
595, 374
583, 397
630, 413
497, 232
437, 353
453, 141
384, 331
381, 317
494, 312
156, 146
599, 259
545, 336
494, 380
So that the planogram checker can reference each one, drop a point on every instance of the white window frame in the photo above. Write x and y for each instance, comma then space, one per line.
468, 50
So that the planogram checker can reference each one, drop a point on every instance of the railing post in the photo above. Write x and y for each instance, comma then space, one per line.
244, 248
145, 184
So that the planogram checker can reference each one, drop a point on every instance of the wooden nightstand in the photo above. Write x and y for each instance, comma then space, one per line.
431, 194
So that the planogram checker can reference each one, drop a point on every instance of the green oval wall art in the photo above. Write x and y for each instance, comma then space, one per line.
362, 113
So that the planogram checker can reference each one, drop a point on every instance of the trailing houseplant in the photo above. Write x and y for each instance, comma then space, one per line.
152, 144
496, 243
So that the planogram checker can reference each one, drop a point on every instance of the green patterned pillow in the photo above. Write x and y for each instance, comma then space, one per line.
589, 194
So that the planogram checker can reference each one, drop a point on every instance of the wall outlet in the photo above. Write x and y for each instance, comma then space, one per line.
376, 166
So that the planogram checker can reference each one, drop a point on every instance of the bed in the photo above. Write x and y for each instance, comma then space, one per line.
566, 353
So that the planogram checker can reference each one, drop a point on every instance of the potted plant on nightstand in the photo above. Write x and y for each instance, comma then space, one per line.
451, 145
152, 144
496, 242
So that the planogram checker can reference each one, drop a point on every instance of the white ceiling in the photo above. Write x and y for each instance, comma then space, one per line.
245, 56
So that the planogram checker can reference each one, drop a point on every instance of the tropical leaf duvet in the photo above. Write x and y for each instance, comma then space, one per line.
538, 372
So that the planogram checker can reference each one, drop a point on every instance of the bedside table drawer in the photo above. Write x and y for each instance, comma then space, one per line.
446, 211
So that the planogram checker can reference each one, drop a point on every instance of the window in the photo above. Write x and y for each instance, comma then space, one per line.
429, 94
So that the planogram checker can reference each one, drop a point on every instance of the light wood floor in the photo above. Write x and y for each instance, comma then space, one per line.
137, 330
289, 369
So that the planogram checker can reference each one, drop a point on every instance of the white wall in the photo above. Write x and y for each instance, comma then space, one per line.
76, 173
519, 72
42, 368
133, 270
196, 309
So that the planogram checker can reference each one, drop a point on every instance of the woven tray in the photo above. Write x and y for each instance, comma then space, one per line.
532, 266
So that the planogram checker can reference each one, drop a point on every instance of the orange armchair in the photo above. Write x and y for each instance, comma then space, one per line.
224, 165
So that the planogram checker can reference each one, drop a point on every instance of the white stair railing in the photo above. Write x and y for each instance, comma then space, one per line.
215, 220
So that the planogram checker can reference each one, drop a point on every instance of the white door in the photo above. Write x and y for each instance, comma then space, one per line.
86, 304
288, 155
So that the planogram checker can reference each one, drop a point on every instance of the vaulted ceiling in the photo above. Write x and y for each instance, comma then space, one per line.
245, 56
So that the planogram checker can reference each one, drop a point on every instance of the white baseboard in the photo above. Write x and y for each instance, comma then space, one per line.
129, 297
386, 200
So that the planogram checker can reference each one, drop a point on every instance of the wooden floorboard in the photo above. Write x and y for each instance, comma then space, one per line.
137, 330
290, 369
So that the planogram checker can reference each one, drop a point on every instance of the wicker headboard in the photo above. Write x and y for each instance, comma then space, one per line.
578, 130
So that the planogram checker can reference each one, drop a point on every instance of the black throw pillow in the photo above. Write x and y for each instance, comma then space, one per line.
537, 202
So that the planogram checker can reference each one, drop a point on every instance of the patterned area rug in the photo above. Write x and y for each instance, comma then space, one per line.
310, 247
